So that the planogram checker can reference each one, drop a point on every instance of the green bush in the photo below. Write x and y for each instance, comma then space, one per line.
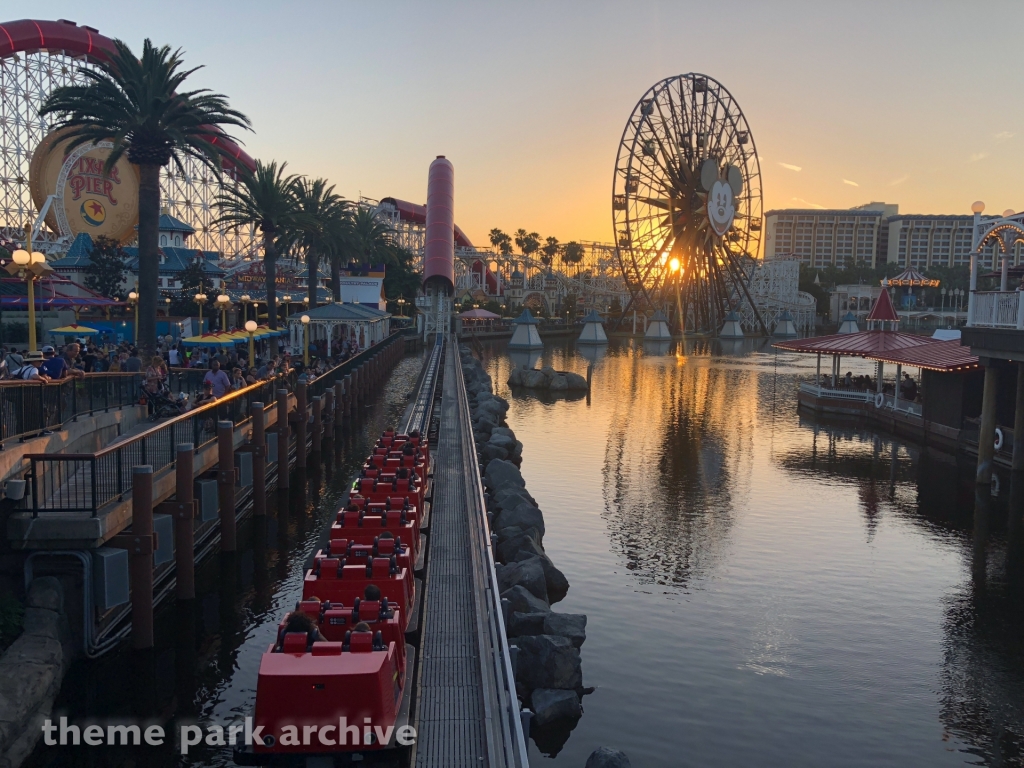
12, 614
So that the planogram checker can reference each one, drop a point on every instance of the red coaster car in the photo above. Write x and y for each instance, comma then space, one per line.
331, 579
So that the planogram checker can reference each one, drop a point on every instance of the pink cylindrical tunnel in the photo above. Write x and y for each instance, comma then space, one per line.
439, 252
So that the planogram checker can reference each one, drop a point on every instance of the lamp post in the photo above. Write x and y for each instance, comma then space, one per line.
245, 298
677, 270
133, 299
285, 301
943, 307
305, 341
29, 265
250, 327
167, 301
200, 299
401, 306
223, 301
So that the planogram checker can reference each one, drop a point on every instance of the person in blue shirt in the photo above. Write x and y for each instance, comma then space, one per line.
54, 366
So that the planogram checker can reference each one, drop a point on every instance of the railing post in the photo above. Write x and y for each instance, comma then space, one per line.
226, 484
339, 400
259, 461
282, 438
318, 424
140, 551
302, 412
184, 530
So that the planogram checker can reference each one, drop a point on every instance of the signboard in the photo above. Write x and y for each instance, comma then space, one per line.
85, 198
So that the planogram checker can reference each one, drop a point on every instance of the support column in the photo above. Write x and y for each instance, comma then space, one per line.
1018, 424
184, 522
259, 460
896, 389
140, 556
226, 484
283, 428
348, 394
817, 374
987, 430
328, 412
339, 400
318, 424
301, 422
881, 374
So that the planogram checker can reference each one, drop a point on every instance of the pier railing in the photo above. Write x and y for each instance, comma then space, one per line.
86, 482
888, 402
31, 407
995, 309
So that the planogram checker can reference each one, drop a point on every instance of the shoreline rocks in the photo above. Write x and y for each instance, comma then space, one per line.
548, 669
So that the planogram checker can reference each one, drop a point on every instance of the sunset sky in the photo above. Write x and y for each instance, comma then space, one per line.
915, 103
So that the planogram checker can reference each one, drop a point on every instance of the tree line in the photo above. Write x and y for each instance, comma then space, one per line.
143, 108
530, 243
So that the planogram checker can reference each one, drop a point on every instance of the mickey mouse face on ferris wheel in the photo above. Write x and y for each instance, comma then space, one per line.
723, 185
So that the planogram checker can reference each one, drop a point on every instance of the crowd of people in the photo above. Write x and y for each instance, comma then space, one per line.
908, 385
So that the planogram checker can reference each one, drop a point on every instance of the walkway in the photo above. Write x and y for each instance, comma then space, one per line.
451, 717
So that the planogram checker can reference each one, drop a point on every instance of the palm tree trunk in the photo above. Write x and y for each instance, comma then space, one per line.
149, 257
312, 267
270, 273
336, 279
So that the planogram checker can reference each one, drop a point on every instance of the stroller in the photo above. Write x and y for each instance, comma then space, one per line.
162, 404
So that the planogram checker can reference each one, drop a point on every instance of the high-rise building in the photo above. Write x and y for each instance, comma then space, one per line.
838, 237
876, 233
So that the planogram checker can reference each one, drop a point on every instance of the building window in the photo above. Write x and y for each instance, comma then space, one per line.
163, 239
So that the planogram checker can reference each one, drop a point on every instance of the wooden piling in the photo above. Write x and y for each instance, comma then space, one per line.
339, 399
259, 460
283, 429
226, 485
301, 422
328, 412
318, 425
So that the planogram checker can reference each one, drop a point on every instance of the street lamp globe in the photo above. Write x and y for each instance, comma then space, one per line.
133, 296
245, 297
250, 326
978, 206
21, 257
38, 258
223, 299
305, 319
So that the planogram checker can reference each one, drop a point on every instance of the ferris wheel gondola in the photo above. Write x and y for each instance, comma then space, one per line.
686, 203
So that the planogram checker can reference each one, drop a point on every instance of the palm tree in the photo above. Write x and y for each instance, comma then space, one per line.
136, 104
370, 237
550, 250
265, 198
322, 228
572, 253
520, 239
497, 237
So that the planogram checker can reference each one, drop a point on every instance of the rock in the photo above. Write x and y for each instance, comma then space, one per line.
502, 402
516, 451
521, 600
606, 757
527, 573
501, 441
576, 382
45, 592
485, 423
551, 704
489, 452
557, 584
503, 431
569, 625
493, 408
515, 377
548, 371
548, 661
523, 516
528, 547
535, 380
511, 497
558, 383
511, 540
503, 474
522, 624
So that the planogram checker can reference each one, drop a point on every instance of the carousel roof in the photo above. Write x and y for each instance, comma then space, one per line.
911, 278
861, 344
342, 313
883, 309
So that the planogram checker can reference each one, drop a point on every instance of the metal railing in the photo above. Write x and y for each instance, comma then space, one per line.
506, 741
995, 309
29, 408
889, 401
86, 482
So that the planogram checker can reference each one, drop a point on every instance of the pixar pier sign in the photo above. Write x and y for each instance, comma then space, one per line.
82, 197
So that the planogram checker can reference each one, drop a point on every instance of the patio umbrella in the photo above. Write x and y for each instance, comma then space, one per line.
210, 340
74, 330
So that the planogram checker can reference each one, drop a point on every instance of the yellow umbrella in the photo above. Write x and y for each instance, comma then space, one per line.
76, 330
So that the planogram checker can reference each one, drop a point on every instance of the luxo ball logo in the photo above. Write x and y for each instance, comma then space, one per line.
723, 185
93, 213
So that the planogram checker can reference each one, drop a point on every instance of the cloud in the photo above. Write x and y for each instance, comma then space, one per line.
809, 205
791, 167
851, 183
900, 180
1003, 135
978, 156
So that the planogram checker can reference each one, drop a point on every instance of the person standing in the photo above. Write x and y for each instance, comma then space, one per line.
218, 379
53, 366
133, 364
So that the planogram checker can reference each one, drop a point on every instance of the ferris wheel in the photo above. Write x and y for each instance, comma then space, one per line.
686, 202
37, 57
